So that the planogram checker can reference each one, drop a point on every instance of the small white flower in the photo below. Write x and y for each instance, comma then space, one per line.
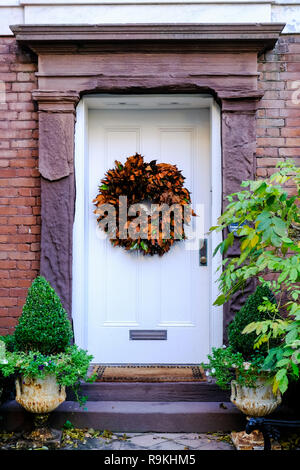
213, 370
3, 361
224, 346
207, 373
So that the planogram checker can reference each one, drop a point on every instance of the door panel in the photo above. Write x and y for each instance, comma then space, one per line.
131, 291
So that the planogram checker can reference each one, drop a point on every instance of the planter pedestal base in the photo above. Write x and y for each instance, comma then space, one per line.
38, 439
42, 435
253, 441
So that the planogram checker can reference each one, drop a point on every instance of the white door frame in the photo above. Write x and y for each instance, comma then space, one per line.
80, 274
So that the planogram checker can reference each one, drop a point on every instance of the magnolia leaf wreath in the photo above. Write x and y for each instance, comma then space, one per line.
133, 185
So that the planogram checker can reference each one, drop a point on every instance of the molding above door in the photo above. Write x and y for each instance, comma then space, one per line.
244, 36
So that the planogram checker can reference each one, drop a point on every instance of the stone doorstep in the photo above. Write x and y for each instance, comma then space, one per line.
157, 392
130, 416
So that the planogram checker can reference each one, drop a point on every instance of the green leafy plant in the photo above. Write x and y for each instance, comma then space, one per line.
266, 216
43, 325
225, 365
69, 367
9, 342
283, 359
250, 312
269, 221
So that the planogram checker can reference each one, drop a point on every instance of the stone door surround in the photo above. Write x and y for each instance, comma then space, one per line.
73, 60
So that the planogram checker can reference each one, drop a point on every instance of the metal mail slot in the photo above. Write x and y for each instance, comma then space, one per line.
147, 334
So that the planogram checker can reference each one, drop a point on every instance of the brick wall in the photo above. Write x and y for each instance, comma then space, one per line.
278, 136
278, 117
19, 182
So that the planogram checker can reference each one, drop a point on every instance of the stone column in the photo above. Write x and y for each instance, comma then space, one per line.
238, 164
56, 165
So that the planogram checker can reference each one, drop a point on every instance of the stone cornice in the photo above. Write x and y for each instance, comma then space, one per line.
245, 101
255, 37
56, 101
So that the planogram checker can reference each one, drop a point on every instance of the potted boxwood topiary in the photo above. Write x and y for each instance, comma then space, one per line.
250, 312
40, 353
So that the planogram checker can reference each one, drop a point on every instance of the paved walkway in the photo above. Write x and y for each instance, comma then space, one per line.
147, 441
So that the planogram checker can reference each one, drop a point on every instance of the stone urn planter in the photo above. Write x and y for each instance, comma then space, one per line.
253, 401
39, 395
258, 401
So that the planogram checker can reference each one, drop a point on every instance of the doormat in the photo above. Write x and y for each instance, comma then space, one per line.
159, 373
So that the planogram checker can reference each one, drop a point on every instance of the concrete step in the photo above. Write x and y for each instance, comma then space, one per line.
135, 416
156, 392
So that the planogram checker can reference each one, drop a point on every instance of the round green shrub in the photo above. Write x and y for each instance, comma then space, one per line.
243, 343
43, 325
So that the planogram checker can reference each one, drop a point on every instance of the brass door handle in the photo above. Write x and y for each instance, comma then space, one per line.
203, 252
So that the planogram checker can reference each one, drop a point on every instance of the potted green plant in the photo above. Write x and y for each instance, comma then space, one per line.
284, 358
40, 354
266, 215
267, 218
239, 366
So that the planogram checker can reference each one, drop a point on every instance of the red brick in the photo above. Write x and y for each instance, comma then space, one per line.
7, 58
24, 109
293, 142
8, 210
25, 162
22, 86
290, 132
8, 229
8, 302
4, 144
24, 143
16, 182
8, 321
261, 172
4, 292
23, 124
9, 192
292, 122
267, 162
267, 123
270, 142
21, 256
8, 115
25, 97
8, 77
35, 247
289, 152
15, 67
3, 274
26, 220
272, 103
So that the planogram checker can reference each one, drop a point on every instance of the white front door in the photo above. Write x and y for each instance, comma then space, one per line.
127, 291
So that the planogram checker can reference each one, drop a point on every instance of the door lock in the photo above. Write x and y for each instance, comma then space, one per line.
203, 252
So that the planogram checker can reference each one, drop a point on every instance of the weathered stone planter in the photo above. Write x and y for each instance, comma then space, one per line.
258, 401
39, 395
253, 401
